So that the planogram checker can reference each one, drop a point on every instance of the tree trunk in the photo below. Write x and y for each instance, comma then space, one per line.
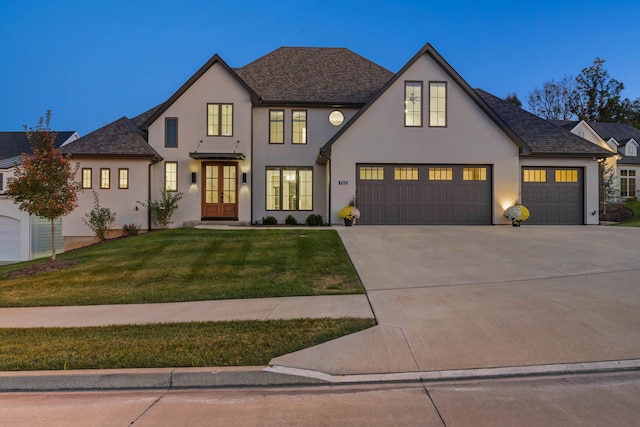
53, 240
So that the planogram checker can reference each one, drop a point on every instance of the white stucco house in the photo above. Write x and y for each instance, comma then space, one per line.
623, 140
301, 131
22, 236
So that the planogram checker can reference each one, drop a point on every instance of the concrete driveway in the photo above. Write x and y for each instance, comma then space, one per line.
451, 298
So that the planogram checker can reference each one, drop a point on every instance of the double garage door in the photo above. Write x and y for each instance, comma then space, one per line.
554, 195
424, 194
462, 195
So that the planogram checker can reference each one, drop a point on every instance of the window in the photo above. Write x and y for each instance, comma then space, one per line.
1, 182
276, 126
413, 104
298, 127
171, 176
405, 174
474, 174
437, 104
219, 119
105, 178
566, 175
123, 178
289, 189
171, 132
631, 149
336, 117
440, 174
534, 175
86, 178
627, 183
374, 173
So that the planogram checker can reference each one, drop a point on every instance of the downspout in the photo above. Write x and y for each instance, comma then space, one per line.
149, 196
329, 192
252, 171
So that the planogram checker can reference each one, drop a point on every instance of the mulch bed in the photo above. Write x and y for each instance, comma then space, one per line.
42, 267
616, 213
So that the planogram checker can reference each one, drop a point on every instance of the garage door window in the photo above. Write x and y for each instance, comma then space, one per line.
405, 174
534, 175
474, 174
371, 173
440, 174
566, 175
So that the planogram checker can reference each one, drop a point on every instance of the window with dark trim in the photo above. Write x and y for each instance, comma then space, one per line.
219, 119
171, 176
171, 132
413, 104
105, 178
289, 188
87, 178
437, 104
299, 127
627, 183
1, 182
276, 126
123, 178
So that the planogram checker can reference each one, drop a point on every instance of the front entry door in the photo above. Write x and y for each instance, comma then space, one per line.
220, 189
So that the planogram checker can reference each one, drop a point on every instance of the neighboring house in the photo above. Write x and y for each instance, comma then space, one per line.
623, 139
23, 237
301, 131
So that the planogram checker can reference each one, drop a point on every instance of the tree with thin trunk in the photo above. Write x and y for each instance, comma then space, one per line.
555, 100
44, 183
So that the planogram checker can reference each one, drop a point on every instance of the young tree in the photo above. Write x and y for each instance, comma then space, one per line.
607, 186
512, 98
44, 183
555, 101
599, 94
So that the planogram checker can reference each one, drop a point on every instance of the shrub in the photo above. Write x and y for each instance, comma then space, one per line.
290, 220
131, 229
100, 219
163, 210
314, 220
269, 220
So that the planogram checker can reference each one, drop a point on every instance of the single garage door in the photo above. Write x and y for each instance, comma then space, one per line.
553, 195
424, 194
9, 239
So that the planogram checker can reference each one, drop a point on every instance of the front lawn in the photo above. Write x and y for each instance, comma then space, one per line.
242, 343
189, 264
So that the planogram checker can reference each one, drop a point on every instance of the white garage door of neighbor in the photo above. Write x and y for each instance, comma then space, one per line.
9, 239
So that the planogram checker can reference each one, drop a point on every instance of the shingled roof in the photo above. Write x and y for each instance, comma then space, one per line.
314, 76
121, 138
13, 144
543, 137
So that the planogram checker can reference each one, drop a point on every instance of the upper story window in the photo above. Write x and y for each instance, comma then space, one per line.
105, 178
631, 149
1, 182
171, 132
413, 104
219, 119
336, 117
86, 178
298, 127
437, 104
123, 178
276, 126
171, 176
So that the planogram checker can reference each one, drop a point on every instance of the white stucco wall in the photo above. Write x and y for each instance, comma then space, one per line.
471, 137
215, 86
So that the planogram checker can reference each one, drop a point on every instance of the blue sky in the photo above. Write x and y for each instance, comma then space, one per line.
92, 62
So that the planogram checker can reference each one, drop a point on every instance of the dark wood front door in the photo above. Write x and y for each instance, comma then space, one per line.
219, 190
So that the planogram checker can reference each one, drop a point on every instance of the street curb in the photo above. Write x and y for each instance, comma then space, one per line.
263, 376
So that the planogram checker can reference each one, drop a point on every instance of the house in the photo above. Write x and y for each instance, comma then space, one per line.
22, 236
623, 139
302, 131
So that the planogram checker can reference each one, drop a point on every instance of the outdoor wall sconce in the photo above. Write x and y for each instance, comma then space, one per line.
244, 177
193, 178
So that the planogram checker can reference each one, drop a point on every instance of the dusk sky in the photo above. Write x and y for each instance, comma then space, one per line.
92, 62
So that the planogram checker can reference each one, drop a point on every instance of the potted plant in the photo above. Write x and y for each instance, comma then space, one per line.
349, 213
516, 214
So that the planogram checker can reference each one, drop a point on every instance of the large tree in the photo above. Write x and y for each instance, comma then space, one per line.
512, 98
598, 94
555, 100
44, 183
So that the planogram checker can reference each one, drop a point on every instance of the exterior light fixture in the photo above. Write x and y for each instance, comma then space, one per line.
193, 178
244, 177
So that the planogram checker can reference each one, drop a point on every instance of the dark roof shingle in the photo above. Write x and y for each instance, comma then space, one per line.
15, 143
314, 76
542, 136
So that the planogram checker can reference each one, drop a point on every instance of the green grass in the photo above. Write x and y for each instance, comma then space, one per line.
240, 343
635, 220
189, 264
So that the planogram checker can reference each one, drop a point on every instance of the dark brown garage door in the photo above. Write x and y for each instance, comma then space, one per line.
553, 195
424, 194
